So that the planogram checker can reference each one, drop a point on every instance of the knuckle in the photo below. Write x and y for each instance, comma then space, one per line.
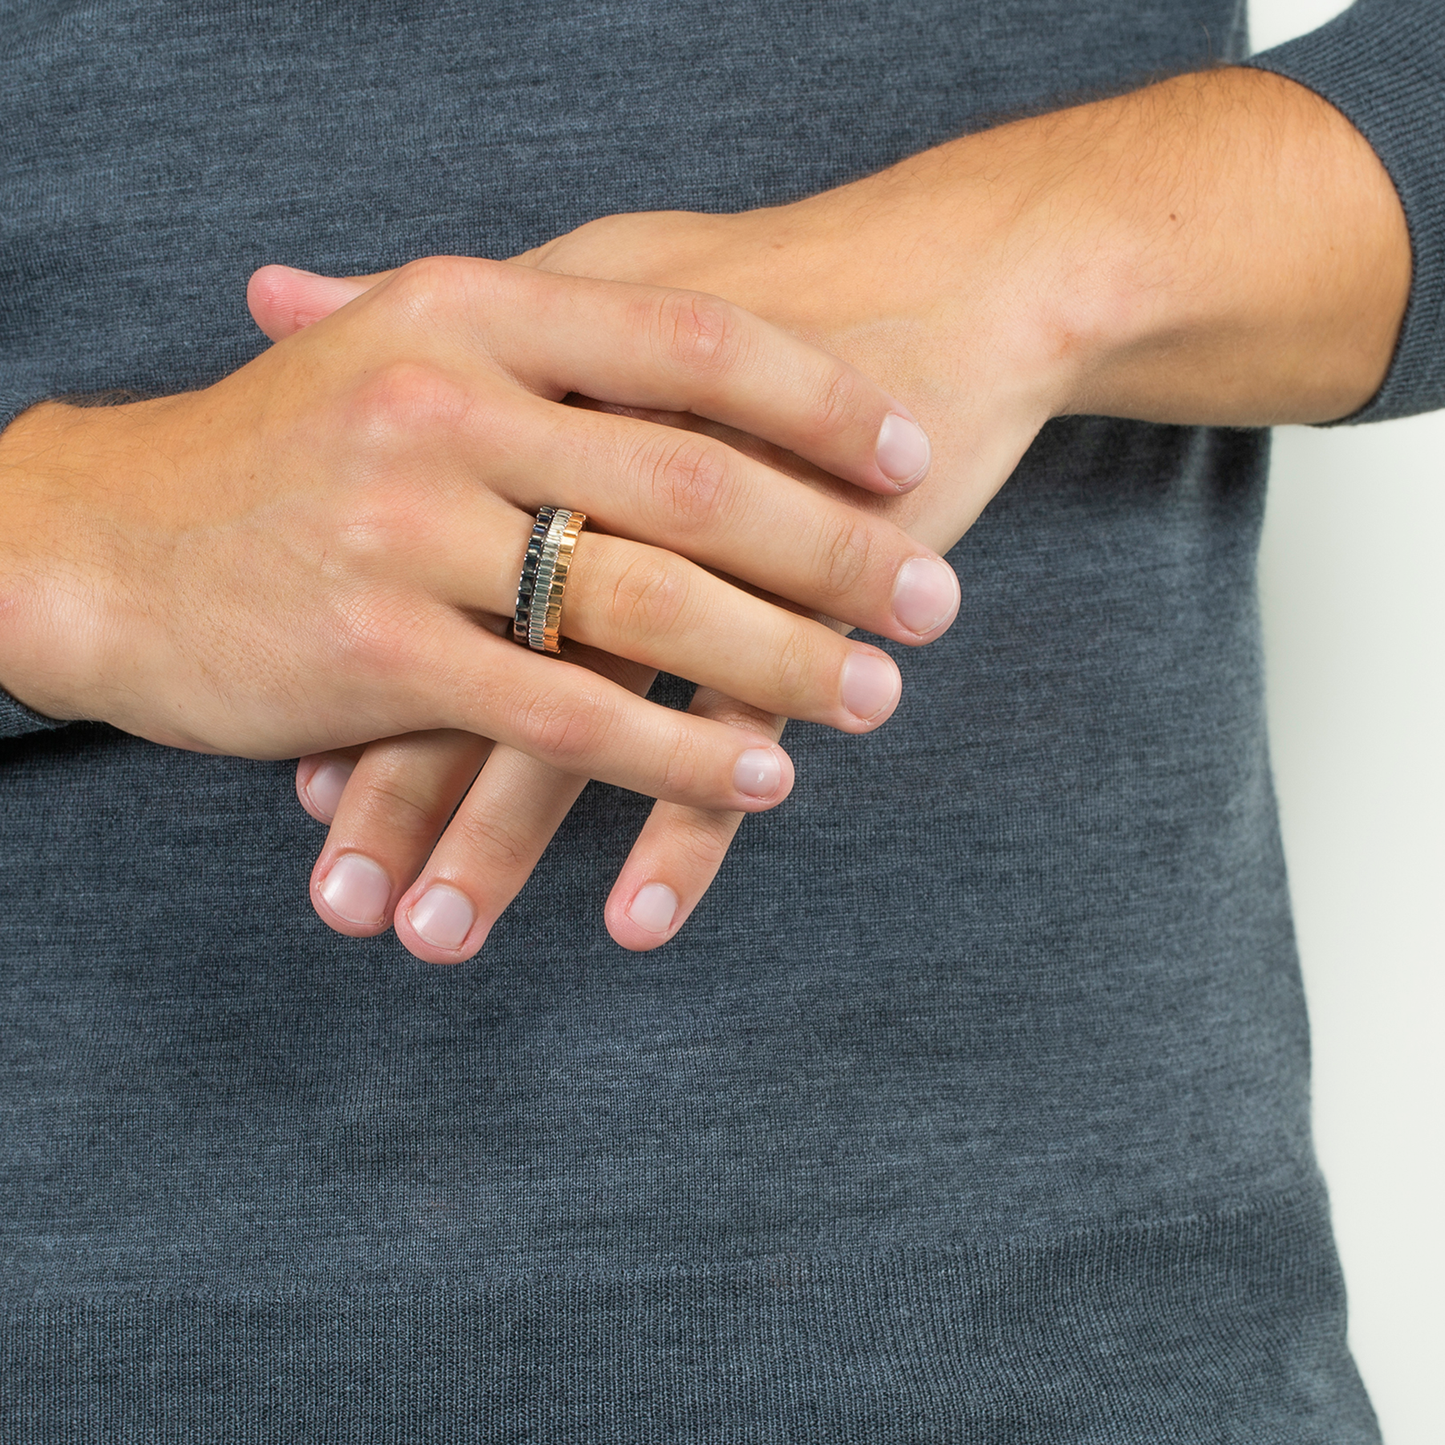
837, 403
400, 399
392, 806
498, 847
701, 334
697, 843
689, 476
566, 731
681, 767
793, 667
649, 595
433, 290
427, 282
843, 555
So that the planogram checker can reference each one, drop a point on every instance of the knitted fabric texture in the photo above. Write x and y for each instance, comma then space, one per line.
973, 1102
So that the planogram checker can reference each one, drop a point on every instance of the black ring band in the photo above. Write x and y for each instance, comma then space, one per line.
521, 617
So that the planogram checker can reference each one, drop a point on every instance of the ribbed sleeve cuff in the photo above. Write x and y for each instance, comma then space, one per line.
16, 719
1382, 65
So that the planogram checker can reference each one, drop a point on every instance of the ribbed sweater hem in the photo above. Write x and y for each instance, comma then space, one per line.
1224, 1327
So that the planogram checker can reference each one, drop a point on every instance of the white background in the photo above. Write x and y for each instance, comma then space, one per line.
1353, 588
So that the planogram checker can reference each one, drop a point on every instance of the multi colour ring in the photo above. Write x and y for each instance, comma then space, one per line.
558, 531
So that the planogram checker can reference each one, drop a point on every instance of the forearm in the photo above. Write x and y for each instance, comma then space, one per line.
1219, 248
1236, 252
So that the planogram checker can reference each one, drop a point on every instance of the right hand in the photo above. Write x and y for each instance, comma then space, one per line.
297, 559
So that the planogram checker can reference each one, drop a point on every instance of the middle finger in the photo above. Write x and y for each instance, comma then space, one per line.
693, 494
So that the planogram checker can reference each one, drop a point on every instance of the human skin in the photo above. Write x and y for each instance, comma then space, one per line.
1219, 249
322, 548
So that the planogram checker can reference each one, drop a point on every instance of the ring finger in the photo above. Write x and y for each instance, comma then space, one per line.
659, 609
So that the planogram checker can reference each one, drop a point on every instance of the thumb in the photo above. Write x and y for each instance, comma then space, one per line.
283, 300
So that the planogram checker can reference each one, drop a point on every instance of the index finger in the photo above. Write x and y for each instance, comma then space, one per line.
645, 346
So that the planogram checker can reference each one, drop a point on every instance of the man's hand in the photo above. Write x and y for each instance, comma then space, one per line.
1220, 249
323, 547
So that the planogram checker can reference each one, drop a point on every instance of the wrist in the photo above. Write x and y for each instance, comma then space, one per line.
942, 269
1234, 252
50, 587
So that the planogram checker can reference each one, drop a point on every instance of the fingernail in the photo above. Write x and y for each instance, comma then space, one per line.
871, 684
654, 908
903, 450
327, 784
925, 593
357, 889
442, 916
758, 773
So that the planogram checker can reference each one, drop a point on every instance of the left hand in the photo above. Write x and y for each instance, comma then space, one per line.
1221, 248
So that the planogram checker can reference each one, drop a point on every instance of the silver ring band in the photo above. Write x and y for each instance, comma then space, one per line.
546, 569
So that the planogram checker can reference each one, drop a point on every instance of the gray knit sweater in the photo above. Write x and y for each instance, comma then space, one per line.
979, 1118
